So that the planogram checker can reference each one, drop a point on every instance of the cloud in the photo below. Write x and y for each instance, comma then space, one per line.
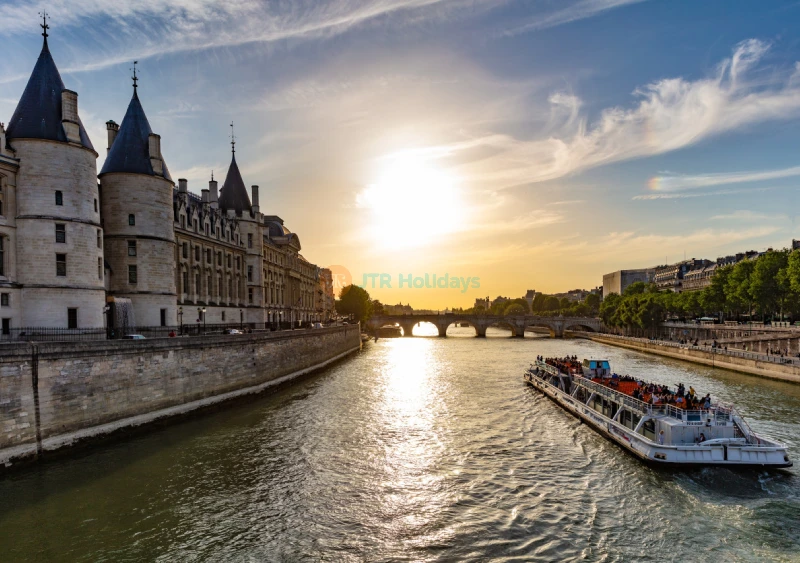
577, 11
670, 182
671, 114
743, 215
685, 195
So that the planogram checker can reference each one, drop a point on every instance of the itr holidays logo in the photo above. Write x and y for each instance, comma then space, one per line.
428, 281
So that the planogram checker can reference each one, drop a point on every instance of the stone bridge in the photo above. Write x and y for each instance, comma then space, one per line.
517, 324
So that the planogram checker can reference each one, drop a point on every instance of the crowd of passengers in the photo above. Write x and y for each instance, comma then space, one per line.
650, 393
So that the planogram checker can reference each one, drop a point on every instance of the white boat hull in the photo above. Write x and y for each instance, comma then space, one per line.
690, 455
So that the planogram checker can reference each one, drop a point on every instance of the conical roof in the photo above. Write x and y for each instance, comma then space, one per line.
233, 194
130, 151
38, 113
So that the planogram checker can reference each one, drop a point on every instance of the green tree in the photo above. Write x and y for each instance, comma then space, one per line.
354, 300
551, 303
539, 301
592, 301
714, 298
769, 287
515, 309
737, 287
564, 303
636, 288
377, 308
609, 307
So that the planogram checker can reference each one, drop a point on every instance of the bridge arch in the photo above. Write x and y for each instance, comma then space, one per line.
579, 326
542, 324
508, 324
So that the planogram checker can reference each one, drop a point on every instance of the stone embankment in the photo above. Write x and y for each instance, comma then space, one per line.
771, 367
54, 395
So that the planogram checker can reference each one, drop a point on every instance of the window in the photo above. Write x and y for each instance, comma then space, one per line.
223, 316
72, 318
197, 253
6, 326
185, 250
95, 205
250, 294
131, 219
249, 240
4, 297
208, 255
61, 233
132, 273
238, 264
230, 289
219, 258
186, 282
131, 248
61, 265
1, 207
99, 239
249, 273
206, 229
59, 198
183, 222
2, 257
197, 284
208, 287
229, 260
195, 225
163, 317
99, 268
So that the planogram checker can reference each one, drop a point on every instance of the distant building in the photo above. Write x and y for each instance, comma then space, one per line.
699, 278
327, 296
482, 303
617, 282
670, 277
398, 309
500, 299
530, 295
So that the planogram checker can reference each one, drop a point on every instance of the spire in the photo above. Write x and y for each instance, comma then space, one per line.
233, 194
38, 113
135, 80
130, 151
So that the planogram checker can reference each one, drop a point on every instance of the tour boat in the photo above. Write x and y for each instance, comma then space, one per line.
658, 434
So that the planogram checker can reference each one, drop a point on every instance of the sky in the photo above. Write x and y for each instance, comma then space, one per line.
524, 144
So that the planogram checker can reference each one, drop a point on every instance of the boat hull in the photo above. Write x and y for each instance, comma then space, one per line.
678, 457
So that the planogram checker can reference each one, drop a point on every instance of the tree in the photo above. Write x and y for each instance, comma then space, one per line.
636, 288
522, 303
564, 303
539, 301
377, 308
737, 287
515, 309
769, 288
608, 309
714, 298
551, 303
592, 301
354, 300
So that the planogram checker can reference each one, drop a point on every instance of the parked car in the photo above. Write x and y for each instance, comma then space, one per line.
316, 325
133, 337
231, 331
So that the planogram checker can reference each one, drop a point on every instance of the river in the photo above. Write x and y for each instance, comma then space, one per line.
416, 449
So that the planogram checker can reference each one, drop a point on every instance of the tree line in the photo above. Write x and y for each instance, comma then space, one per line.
765, 288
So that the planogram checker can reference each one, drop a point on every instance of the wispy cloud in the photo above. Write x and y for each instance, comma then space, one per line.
674, 182
671, 114
685, 195
577, 11
743, 215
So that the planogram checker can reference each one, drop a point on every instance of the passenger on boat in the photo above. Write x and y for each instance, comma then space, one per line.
661, 437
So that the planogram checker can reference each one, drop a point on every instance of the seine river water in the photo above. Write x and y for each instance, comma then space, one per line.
416, 449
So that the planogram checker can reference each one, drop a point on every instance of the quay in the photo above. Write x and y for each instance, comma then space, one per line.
57, 395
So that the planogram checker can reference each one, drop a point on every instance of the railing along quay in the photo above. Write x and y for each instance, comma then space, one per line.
775, 359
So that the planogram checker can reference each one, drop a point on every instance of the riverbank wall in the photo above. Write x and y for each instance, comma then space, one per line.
56, 395
769, 370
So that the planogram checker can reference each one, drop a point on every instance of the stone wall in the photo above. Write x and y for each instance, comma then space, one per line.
89, 389
745, 365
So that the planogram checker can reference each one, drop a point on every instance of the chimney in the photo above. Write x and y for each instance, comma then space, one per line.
69, 116
213, 195
112, 128
155, 153
183, 185
254, 191
204, 193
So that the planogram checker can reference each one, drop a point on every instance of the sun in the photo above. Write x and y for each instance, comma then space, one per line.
413, 202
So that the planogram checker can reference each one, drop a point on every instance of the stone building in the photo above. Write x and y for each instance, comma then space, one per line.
616, 282
73, 255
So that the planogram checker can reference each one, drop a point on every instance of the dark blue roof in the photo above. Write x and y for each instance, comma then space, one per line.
233, 194
130, 151
38, 113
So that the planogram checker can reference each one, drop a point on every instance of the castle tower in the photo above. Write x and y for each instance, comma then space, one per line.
59, 255
233, 200
138, 219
